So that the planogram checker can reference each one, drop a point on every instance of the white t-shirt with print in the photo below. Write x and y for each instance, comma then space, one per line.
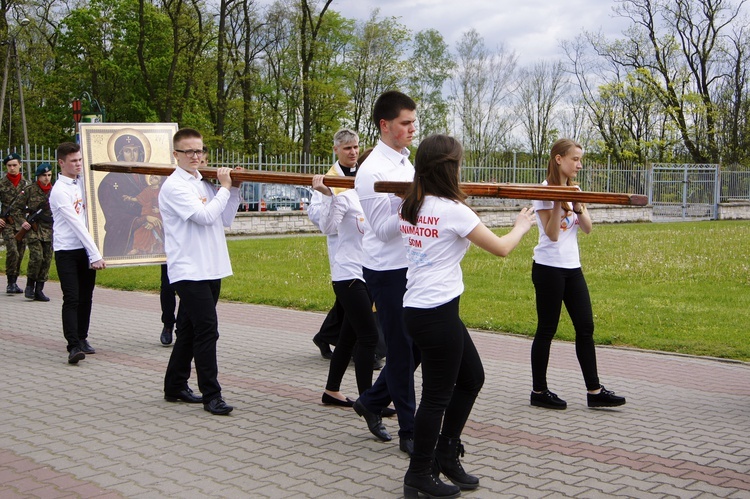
564, 252
434, 250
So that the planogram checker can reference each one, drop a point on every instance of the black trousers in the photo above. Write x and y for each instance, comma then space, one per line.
452, 375
396, 379
555, 286
358, 327
197, 330
331, 327
77, 281
167, 298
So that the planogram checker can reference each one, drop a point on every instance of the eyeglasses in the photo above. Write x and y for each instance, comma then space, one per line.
193, 153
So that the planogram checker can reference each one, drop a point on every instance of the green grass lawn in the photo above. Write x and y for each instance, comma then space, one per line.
676, 287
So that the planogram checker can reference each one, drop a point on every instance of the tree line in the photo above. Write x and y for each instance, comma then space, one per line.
674, 86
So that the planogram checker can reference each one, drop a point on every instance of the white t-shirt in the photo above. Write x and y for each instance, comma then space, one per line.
434, 250
341, 214
382, 244
68, 207
564, 252
194, 214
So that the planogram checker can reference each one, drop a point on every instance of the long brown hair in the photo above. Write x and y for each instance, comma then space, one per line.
561, 147
436, 172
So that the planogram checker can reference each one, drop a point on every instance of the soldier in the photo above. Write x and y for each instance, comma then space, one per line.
12, 187
39, 237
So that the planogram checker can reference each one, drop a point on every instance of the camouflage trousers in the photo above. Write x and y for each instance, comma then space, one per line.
14, 251
40, 258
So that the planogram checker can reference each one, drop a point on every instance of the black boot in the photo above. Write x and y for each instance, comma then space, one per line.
38, 294
447, 455
29, 291
12, 286
428, 484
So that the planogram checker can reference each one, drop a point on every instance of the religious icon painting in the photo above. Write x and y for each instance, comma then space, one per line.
123, 208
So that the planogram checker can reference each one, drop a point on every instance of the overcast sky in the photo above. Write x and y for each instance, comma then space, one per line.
532, 28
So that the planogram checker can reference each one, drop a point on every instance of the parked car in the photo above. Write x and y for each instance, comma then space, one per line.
305, 195
258, 196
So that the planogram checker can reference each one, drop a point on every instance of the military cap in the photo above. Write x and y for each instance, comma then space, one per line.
43, 168
10, 157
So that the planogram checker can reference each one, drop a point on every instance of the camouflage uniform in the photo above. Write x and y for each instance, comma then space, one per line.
39, 238
14, 249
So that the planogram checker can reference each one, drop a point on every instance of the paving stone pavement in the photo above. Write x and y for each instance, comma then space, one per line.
102, 429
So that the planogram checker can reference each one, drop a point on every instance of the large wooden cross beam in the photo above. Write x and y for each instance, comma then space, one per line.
510, 191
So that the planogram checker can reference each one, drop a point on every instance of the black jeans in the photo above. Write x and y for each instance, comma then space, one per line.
555, 286
331, 327
396, 380
357, 327
452, 375
77, 281
197, 330
167, 299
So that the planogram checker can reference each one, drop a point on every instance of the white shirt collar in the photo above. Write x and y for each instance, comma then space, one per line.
398, 158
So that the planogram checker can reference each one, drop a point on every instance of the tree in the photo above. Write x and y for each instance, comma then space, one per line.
168, 77
328, 94
732, 102
430, 66
376, 66
481, 90
540, 90
309, 28
258, 35
629, 119
226, 54
672, 47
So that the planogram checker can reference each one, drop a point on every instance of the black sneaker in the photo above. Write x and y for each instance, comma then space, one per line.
605, 398
548, 400
75, 355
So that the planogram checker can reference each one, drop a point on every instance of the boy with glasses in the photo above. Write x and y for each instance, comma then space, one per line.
194, 214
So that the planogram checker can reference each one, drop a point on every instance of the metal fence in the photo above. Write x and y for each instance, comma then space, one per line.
733, 183
37, 155
734, 186
294, 163
684, 191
